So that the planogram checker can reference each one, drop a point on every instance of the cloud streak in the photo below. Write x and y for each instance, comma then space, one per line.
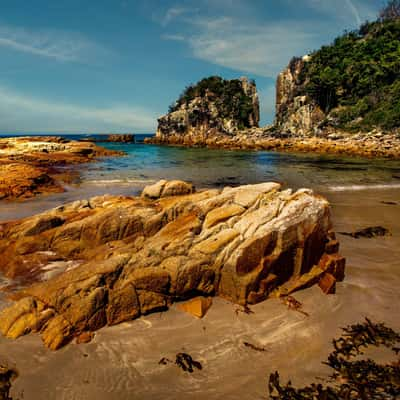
57, 45
21, 112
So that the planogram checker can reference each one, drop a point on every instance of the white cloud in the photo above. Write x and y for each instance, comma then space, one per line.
244, 42
259, 49
20, 112
175, 12
58, 45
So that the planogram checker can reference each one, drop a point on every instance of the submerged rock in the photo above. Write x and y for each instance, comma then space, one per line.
136, 255
121, 138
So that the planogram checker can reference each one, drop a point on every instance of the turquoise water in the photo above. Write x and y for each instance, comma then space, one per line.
213, 168
145, 164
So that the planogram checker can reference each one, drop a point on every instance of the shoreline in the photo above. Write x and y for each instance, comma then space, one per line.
123, 361
366, 145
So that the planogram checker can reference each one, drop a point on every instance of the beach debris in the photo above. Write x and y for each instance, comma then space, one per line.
352, 378
254, 347
390, 203
7, 375
244, 309
186, 362
370, 232
164, 361
293, 304
197, 306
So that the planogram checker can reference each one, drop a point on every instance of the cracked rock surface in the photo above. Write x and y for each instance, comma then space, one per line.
115, 258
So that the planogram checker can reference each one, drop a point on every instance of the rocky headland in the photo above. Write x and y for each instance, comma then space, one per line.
330, 101
111, 259
30, 166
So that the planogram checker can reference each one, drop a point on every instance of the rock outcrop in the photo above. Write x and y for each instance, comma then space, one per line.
111, 259
30, 165
296, 113
121, 138
213, 107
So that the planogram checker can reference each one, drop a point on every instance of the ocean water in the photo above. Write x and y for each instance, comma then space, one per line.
145, 164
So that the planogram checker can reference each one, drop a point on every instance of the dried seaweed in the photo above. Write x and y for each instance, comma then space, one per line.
294, 305
351, 379
186, 362
254, 347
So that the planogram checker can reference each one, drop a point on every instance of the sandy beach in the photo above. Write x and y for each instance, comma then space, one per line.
122, 362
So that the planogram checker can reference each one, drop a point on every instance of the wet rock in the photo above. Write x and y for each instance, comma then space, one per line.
132, 256
369, 232
187, 363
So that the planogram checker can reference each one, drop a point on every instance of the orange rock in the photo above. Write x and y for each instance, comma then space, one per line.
85, 337
327, 283
198, 306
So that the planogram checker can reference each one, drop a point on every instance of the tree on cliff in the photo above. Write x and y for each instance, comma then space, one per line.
356, 79
391, 11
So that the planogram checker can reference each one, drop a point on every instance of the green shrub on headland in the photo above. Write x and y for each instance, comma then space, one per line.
228, 96
358, 75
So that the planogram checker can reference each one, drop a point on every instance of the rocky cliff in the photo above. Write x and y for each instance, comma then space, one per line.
296, 112
352, 85
212, 107
111, 259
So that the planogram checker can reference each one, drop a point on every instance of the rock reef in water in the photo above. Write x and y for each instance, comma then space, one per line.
112, 259
121, 138
212, 107
31, 165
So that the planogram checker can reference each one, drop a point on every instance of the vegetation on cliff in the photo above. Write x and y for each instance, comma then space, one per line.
228, 96
357, 78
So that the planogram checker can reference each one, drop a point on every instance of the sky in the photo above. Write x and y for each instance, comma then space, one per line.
97, 66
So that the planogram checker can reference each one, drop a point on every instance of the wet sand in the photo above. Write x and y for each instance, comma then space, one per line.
122, 361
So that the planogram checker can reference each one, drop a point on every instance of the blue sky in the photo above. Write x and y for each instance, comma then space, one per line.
116, 65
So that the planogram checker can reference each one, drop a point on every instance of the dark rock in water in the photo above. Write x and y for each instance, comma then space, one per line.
7, 375
186, 362
369, 232
352, 378
121, 138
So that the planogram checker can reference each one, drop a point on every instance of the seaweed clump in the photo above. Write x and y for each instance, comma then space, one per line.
352, 378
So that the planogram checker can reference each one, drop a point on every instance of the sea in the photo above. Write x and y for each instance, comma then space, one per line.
144, 164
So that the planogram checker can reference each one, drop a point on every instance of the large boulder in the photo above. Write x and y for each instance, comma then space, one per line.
132, 256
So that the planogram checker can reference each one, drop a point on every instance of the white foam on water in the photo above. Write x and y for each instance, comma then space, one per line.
346, 188
119, 181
